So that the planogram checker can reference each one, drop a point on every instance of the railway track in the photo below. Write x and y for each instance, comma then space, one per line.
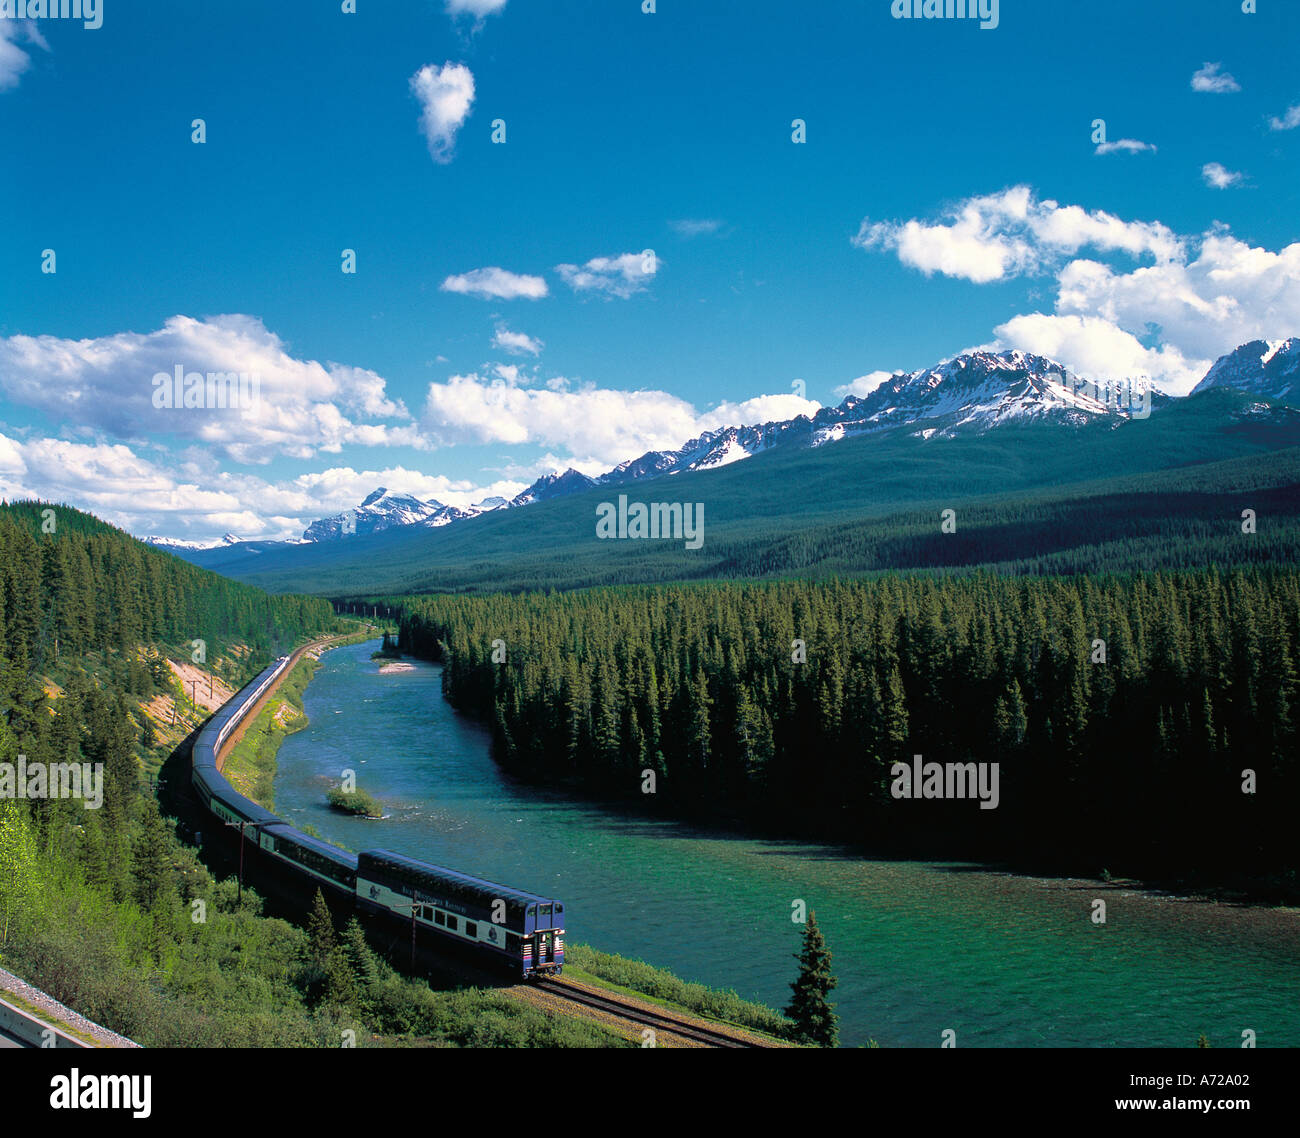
637, 1013
256, 709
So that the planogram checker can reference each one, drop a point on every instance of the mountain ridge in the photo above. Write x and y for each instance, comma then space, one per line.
976, 393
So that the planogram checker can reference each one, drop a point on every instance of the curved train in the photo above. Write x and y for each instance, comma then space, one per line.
521, 931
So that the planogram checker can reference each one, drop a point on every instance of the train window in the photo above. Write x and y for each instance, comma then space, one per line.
439, 918
427, 912
471, 929
453, 923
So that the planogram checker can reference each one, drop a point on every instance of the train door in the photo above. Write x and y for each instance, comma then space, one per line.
545, 934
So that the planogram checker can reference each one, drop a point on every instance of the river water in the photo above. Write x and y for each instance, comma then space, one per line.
919, 948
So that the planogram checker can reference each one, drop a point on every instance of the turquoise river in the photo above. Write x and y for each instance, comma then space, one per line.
919, 948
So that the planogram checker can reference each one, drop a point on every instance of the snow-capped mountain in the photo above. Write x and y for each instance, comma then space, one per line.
979, 392
553, 486
169, 544
1270, 368
380, 511
712, 449
975, 393
385, 509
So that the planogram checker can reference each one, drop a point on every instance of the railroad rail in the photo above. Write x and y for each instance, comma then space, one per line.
637, 1013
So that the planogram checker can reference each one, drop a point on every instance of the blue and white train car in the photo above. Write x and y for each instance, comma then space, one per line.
525, 930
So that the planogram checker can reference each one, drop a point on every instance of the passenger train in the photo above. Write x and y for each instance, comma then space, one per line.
522, 931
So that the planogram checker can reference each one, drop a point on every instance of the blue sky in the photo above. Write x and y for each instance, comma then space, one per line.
670, 259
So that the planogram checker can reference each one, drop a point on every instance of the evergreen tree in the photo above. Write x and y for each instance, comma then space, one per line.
150, 862
813, 1014
320, 933
361, 959
340, 983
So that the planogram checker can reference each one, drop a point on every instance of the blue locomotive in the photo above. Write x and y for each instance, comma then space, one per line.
522, 931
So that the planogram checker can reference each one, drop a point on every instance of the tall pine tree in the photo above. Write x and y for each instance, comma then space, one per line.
813, 1014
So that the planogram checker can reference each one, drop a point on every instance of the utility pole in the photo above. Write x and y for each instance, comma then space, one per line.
241, 826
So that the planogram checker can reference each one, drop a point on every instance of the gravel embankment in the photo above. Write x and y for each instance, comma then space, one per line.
60, 1015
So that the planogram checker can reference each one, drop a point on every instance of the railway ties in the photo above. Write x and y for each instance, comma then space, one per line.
637, 1013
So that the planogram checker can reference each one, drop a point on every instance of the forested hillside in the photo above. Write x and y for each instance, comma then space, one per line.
93, 901
73, 584
86, 606
1122, 709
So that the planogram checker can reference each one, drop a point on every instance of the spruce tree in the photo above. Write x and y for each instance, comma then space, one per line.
150, 859
320, 933
813, 1014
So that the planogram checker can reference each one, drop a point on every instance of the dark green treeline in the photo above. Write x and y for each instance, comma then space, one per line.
87, 587
1122, 710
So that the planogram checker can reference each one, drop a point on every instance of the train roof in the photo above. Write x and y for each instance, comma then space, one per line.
386, 858
287, 833
229, 797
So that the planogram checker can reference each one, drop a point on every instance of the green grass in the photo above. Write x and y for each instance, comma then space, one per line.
48, 1018
659, 986
250, 765
354, 802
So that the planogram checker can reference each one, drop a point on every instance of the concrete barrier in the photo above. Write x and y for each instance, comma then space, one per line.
24, 1026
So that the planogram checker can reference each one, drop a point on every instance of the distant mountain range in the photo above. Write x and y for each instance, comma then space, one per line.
976, 394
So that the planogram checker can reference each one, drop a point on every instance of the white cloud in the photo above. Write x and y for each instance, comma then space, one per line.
479, 8
1288, 121
446, 95
999, 236
14, 61
605, 425
1169, 319
614, 276
864, 385
201, 503
1219, 176
496, 284
107, 385
760, 409
1095, 348
516, 343
1124, 146
1213, 81
1227, 294
601, 427
695, 227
